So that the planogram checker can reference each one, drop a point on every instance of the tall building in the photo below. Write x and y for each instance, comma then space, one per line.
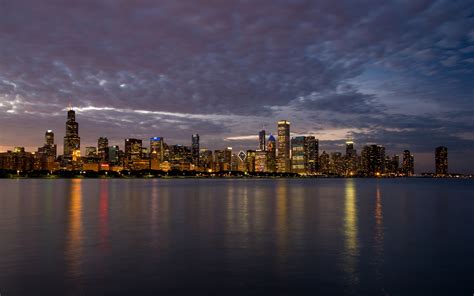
103, 149
441, 161
324, 163
91, 151
156, 152
49, 137
299, 157
373, 160
114, 155
283, 159
205, 159
350, 159
250, 160
72, 141
48, 152
261, 140
133, 152
261, 161
271, 154
408, 165
312, 151
195, 149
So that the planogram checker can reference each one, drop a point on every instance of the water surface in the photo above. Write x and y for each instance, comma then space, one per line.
237, 237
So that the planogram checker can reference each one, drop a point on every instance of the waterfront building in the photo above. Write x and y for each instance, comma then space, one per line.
91, 152
312, 154
114, 155
72, 141
299, 157
408, 165
180, 157
324, 163
47, 154
18, 160
250, 160
283, 159
373, 160
156, 152
271, 154
205, 159
441, 161
337, 164
133, 152
260, 161
102, 149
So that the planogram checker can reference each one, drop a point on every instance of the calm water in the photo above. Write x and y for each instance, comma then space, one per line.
237, 237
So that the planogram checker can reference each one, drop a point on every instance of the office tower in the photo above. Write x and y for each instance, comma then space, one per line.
18, 160
102, 151
261, 140
350, 159
298, 155
408, 165
180, 157
250, 160
219, 160
312, 154
228, 159
91, 152
324, 163
156, 153
373, 160
260, 161
133, 152
195, 149
49, 137
114, 156
441, 161
283, 159
205, 159
72, 141
271, 154
337, 165
350, 151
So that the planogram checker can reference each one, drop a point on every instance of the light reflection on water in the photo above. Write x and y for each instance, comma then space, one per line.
74, 235
351, 242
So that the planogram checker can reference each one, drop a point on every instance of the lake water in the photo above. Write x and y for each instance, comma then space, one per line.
237, 237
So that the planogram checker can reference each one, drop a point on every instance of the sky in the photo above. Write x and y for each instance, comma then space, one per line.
395, 73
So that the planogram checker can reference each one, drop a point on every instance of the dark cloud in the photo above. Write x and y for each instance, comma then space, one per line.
371, 66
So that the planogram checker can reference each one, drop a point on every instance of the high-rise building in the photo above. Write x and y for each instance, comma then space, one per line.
408, 165
337, 165
195, 149
441, 161
102, 149
133, 151
260, 161
312, 152
250, 160
205, 159
261, 140
46, 155
373, 160
49, 137
180, 157
271, 154
283, 159
91, 151
114, 155
324, 163
72, 141
299, 156
156, 152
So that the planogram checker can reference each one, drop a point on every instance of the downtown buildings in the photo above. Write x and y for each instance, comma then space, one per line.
283, 154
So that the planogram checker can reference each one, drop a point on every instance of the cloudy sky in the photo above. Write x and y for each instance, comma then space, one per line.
396, 73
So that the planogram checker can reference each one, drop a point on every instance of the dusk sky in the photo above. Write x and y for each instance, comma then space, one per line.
396, 73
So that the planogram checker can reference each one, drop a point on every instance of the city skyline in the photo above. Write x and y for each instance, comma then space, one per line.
295, 154
223, 70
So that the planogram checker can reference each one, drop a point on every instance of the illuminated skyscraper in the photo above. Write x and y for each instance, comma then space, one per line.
408, 165
441, 161
373, 160
283, 159
103, 149
114, 155
156, 152
195, 149
260, 161
205, 159
49, 137
312, 152
91, 152
271, 154
133, 149
72, 141
261, 140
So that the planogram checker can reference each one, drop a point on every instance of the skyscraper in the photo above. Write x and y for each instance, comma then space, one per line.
133, 149
49, 137
156, 152
373, 160
441, 161
312, 151
283, 159
103, 149
271, 154
408, 165
195, 149
72, 141
350, 159
299, 156
261, 140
